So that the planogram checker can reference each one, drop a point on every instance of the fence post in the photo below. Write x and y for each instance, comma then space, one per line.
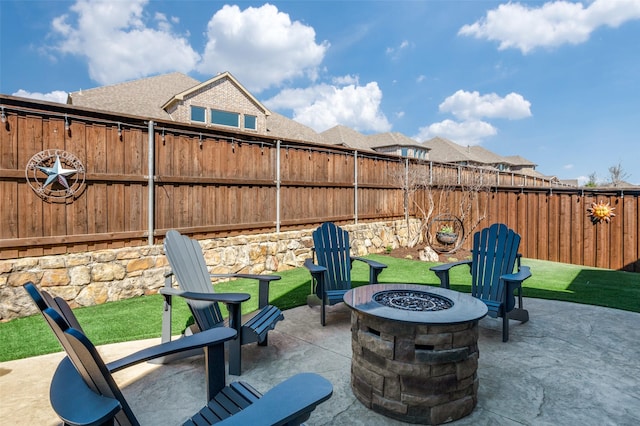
355, 185
278, 186
406, 191
151, 166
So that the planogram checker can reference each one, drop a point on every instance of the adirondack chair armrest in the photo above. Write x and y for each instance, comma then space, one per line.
235, 298
523, 273
75, 403
447, 266
211, 337
249, 276
263, 282
289, 402
442, 271
313, 268
374, 268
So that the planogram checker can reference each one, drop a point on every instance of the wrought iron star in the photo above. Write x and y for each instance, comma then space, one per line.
57, 172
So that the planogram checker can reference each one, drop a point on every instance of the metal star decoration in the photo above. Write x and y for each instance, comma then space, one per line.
57, 173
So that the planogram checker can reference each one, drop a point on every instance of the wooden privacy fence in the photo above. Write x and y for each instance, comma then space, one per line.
143, 177
554, 224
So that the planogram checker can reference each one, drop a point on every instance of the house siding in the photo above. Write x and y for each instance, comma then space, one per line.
220, 95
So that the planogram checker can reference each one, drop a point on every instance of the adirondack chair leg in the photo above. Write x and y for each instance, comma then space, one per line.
235, 355
373, 275
444, 278
505, 327
322, 314
214, 376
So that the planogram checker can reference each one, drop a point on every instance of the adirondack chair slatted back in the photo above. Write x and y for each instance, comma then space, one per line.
44, 300
189, 266
495, 250
85, 358
331, 245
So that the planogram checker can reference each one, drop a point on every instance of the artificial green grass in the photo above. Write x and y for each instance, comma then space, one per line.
141, 317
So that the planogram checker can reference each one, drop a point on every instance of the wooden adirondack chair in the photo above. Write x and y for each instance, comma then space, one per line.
493, 280
191, 272
83, 391
331, 276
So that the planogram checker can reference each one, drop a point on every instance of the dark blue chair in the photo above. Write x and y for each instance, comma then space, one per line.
496, 274
190, 270
331, 274
83, 391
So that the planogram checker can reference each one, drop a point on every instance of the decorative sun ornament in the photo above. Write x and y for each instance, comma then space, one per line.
600, 212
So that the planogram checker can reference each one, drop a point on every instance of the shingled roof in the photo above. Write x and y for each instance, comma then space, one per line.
280, 126
144, 97
345, 136
390, 139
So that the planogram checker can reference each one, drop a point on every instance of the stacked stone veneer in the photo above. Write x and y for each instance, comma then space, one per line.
91, 278
415, 373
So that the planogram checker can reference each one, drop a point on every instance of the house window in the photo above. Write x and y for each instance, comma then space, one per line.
198, 114
225, 118
250, 122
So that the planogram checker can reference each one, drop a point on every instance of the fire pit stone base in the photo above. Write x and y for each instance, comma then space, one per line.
416, 373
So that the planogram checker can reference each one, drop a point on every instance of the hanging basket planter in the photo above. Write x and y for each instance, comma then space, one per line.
446, 237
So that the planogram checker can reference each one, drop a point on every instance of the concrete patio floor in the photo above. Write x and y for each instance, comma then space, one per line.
569, 365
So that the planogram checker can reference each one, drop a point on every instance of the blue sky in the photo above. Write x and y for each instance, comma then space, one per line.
556, 82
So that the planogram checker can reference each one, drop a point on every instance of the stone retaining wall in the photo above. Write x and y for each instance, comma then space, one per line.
90, 278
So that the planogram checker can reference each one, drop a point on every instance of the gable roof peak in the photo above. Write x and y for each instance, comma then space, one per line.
226, 75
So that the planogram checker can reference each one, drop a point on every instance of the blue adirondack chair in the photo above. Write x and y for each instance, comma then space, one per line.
331, 275
190, 270
83, 391
493, 280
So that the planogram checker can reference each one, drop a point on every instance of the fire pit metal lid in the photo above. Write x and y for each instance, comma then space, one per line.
465, 307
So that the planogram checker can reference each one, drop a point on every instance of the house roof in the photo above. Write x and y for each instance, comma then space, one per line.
282, 127
342, 135
143, 97
445, 151
390, 139
484, 156
517, 160
201, 86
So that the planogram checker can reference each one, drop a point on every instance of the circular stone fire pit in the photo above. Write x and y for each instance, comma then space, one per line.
415, 351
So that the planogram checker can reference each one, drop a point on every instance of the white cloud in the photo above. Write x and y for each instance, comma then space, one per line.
471, 105
469, 132
324, 106
261, 47
470, 108
568, 166
58, 96
518, 26
117, 43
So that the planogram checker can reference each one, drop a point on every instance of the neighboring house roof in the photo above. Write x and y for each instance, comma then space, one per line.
212, 81
391, 139
482, 155
516, 160
445, 151
280, 126
144, 97
342, 135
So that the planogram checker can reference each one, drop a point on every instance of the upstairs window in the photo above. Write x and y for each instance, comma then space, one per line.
250, 122
225, 118
198, 114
